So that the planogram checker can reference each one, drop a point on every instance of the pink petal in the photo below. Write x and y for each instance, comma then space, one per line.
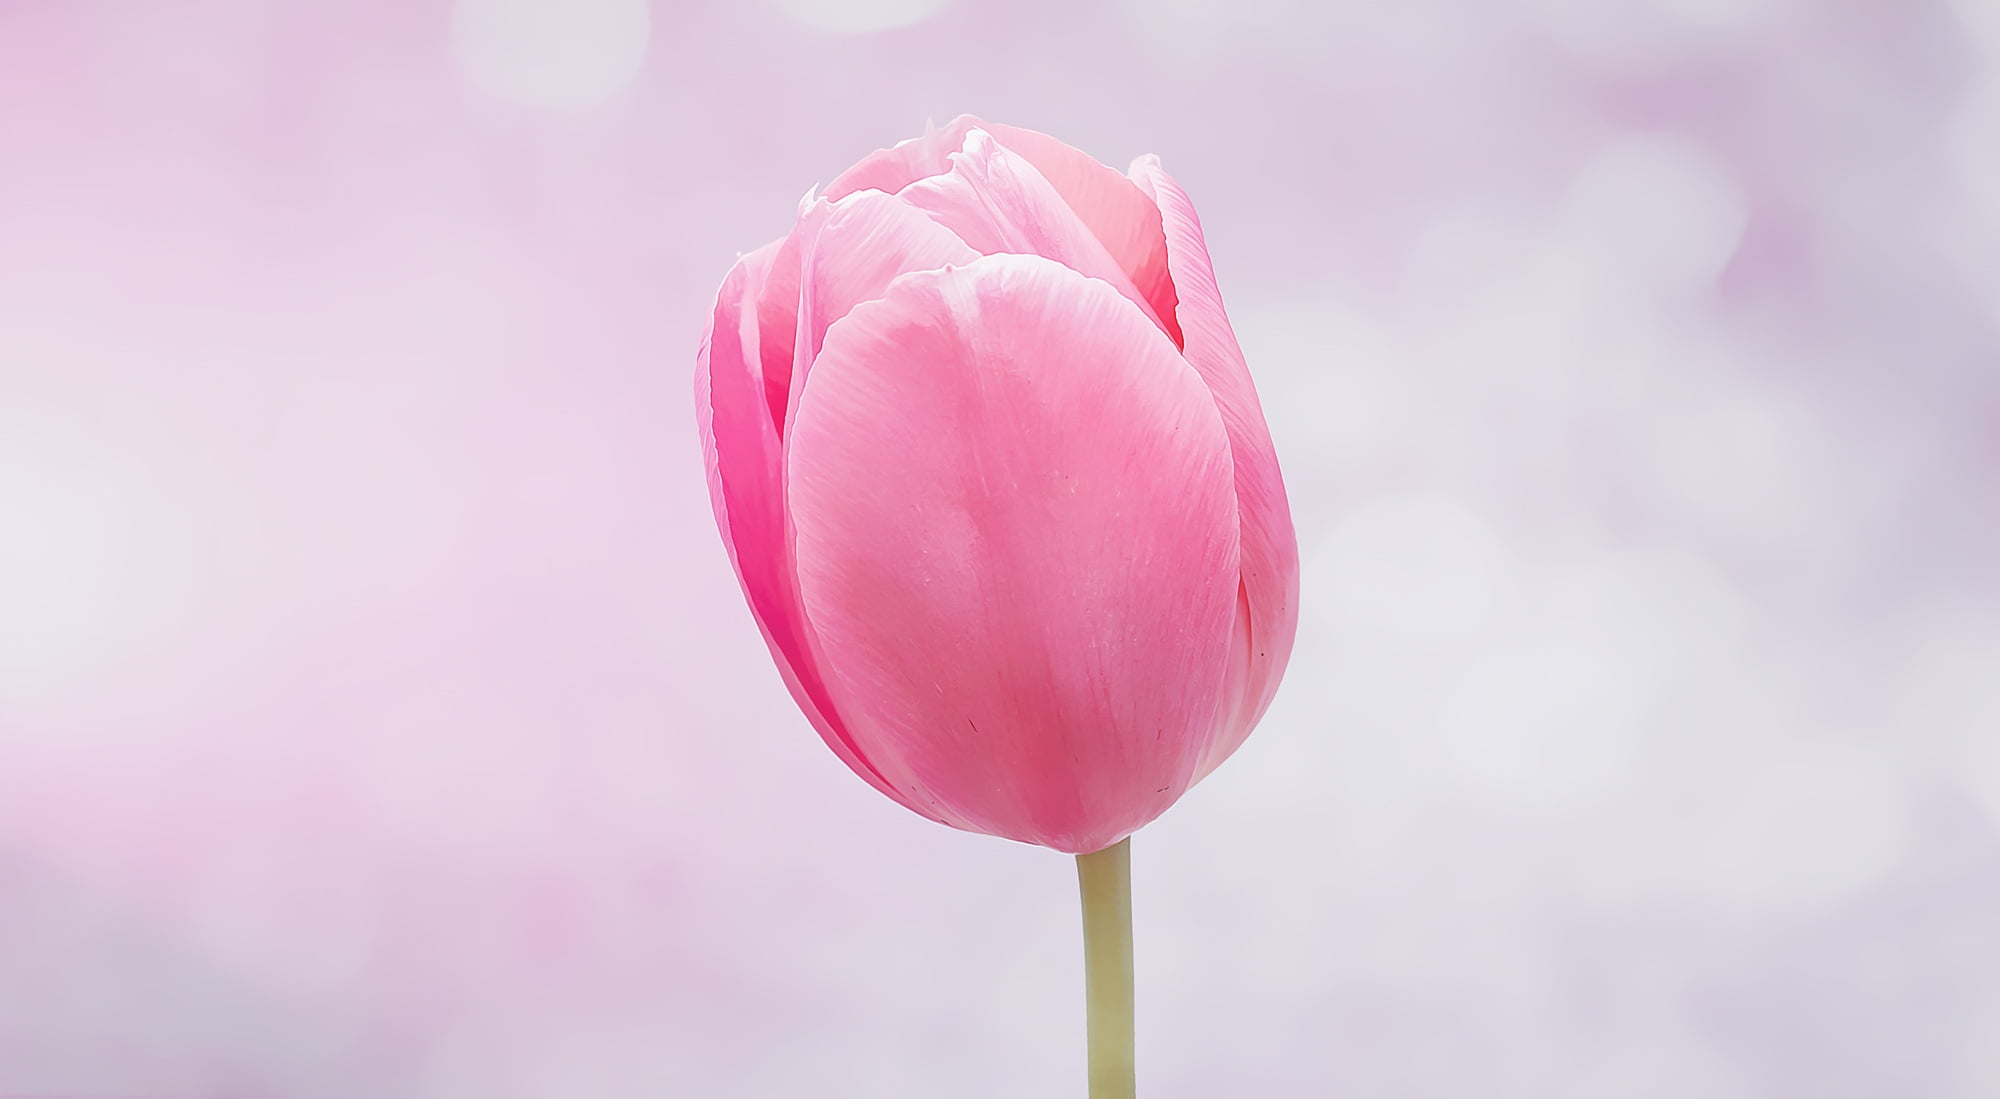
1269, 546
1122, 217
998, 202
740, 444
777, 320
1016, 541
852, 249
891, 170
1112, 209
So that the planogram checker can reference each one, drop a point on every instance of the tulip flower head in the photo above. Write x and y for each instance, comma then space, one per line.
994, 478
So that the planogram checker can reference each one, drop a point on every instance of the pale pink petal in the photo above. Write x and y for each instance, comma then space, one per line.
1270, 548
890, 170
741, 447
1122, 217
1017, 544
851, 249
997, 202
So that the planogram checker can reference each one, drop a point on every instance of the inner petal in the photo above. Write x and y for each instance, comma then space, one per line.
998, 202
1113, 207
852, 249
893, 169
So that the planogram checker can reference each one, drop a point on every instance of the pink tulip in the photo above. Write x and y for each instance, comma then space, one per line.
997, 486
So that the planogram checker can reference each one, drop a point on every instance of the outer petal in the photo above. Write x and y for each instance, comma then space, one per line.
998, 202
893, 169
1270, 548
740, 445
852, 249
1017, 544
1122, 217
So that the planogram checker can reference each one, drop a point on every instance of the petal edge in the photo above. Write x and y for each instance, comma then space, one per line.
1270, 545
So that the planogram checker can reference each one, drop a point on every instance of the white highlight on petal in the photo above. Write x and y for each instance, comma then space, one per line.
861, 16
551, 53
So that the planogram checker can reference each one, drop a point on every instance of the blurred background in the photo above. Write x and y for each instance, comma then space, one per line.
379, 715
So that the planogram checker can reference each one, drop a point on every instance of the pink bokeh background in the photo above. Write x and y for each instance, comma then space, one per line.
378, 714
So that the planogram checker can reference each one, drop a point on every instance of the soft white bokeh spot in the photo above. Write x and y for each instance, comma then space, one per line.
551, 53
861, 16
1977, 1065
1546, 723
329, 904
1419, 570
1751, 466
94, 565
1459, 255
1974, 145
1949, 686
1655, 34
1804, 834
1554, 711
64, 579
1658, 207
1671, 1060
1981, 23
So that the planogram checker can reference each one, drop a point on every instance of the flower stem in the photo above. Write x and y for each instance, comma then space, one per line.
1105, 878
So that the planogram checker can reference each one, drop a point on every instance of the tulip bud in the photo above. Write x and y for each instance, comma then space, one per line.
995, 481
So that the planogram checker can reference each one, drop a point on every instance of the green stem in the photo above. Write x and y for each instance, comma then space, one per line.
1105, 878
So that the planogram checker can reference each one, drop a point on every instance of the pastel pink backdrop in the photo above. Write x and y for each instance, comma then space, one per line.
378, 715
